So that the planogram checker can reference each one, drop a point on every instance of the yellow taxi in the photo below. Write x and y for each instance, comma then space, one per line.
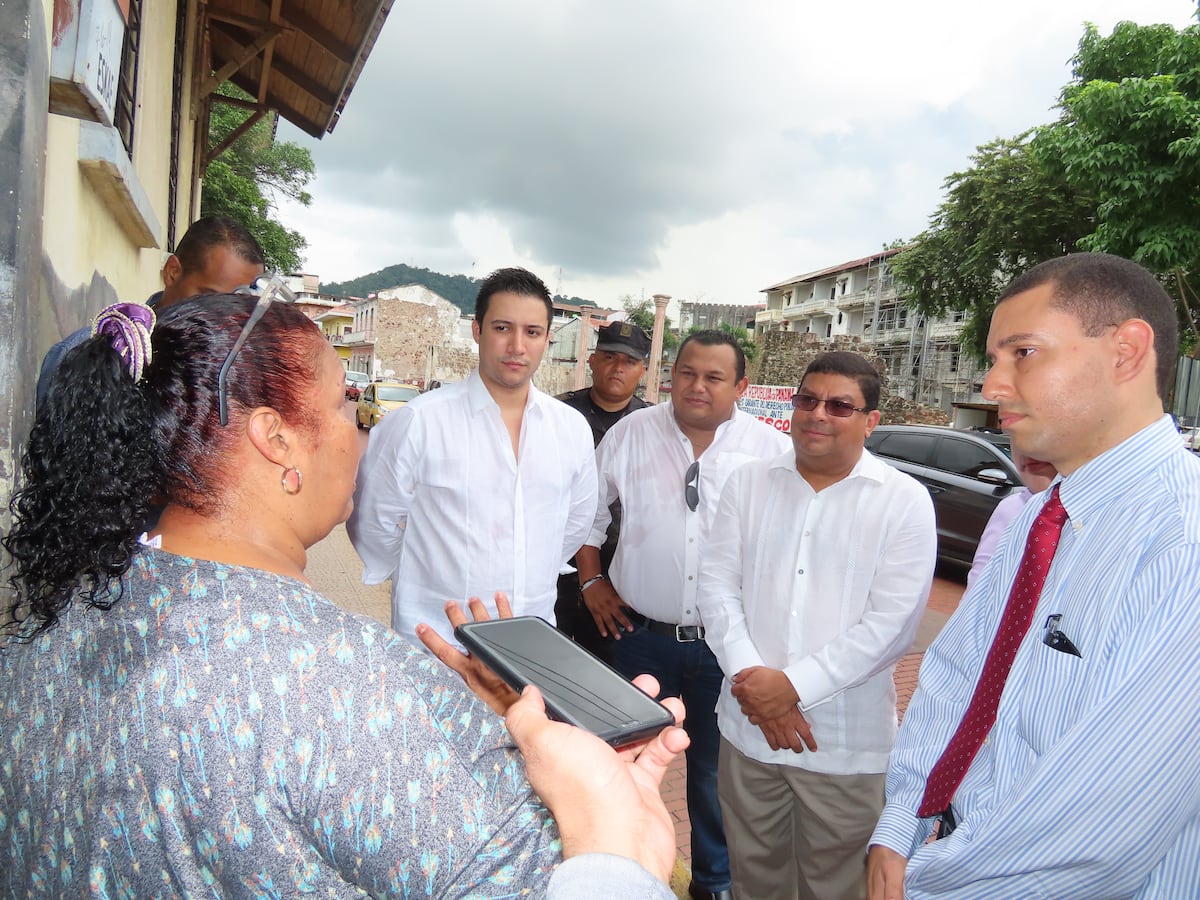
379, 398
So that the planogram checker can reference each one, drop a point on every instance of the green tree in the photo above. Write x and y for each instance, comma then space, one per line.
246, 181
641, 314
1118, 172
1004, 214
1129, 135
744, 338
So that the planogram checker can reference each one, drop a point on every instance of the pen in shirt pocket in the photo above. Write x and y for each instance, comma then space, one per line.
1053, 637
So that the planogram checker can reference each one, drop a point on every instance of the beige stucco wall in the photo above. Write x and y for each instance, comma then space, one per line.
88, 258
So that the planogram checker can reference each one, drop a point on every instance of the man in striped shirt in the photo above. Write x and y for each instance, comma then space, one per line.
1088, 782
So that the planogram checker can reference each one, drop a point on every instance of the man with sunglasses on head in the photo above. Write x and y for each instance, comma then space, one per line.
813, 583
666, 465
216, 255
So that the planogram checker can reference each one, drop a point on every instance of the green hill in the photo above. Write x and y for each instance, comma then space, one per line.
458, 289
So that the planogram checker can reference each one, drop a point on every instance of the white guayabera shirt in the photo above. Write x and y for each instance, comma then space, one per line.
445, 510
827, 587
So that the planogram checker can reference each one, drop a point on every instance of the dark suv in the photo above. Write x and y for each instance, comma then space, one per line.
967, 474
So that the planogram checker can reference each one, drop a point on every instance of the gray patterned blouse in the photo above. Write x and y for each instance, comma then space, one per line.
222, 731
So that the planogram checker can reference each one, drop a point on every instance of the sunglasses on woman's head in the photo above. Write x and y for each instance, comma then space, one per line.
266, 288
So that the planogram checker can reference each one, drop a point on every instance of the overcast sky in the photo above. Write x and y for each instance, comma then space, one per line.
699, 148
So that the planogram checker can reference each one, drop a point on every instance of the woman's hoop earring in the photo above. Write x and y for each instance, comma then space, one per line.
299, 481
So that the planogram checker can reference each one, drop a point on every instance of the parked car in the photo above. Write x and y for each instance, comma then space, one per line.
967, 473
355, 382
380, 398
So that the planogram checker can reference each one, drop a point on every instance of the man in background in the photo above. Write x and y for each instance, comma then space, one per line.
1050, 746
814, 579
216, 255
667, 465
618, 364
481, 486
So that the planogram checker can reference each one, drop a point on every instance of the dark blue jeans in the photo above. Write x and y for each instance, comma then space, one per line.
689, 671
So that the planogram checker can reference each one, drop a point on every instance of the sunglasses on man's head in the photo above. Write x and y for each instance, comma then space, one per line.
839, 408
266, 288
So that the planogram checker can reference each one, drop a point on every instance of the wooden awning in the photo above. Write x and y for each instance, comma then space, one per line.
300, 58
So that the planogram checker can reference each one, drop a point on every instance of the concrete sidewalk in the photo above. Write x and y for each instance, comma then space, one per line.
335, 571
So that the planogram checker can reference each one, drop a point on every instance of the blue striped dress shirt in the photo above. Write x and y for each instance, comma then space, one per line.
1089, 783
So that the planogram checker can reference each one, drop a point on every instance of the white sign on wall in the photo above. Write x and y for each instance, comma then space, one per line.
85, 60
769, 403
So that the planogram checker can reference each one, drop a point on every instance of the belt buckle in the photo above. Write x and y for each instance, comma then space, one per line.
696, 632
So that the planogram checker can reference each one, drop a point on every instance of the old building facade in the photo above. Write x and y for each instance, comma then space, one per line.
858, 299
104, 144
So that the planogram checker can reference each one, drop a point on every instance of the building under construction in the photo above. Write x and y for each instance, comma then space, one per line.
858, 299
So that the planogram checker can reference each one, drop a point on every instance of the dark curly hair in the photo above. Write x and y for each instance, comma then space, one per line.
105, 451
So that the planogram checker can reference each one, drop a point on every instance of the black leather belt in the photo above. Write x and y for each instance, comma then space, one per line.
685, 634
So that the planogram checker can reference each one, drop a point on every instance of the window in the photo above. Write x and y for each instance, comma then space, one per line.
397, 394
965, 457
910, 447
127, 83
176, 121
902, 317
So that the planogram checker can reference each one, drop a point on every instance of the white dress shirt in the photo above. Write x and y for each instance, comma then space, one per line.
446, 511
643, 460
828, 587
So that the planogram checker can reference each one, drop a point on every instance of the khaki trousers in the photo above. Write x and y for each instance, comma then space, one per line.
794, 834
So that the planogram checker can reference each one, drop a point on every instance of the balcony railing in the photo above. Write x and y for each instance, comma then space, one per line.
813, 307
358, 337
852, 301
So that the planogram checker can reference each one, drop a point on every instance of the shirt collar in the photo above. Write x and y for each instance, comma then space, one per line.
479, 398
868, 466
1120, 470
721, 429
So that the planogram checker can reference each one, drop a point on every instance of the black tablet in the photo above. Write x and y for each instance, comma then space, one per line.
578, 688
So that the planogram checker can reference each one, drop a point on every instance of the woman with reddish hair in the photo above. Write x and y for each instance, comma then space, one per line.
181, 713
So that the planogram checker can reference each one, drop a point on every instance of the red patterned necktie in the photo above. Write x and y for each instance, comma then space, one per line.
949, 770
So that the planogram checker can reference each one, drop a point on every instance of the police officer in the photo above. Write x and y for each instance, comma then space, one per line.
617, 365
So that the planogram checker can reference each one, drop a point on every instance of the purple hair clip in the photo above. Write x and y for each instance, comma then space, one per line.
128, 326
